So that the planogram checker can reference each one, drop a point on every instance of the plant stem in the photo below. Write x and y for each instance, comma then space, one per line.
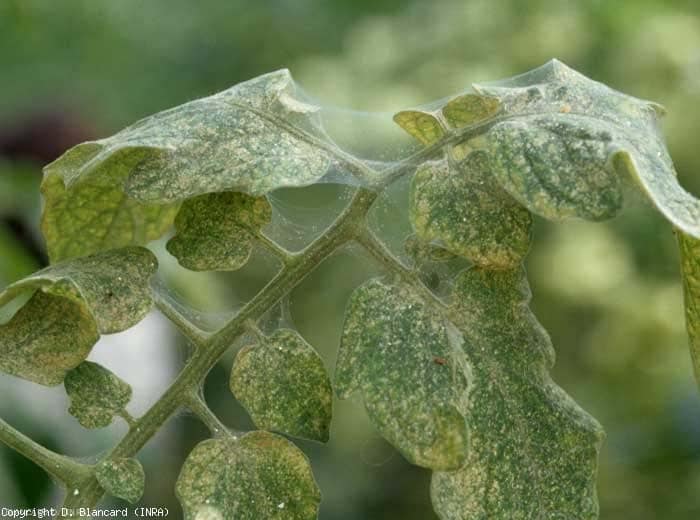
379, 251
255, 330
128, 418
199, 407
348, 225
280, 252
406, 165
62, 468
195, 335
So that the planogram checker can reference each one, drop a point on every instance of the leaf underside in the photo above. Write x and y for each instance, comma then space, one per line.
588, 131
46, 338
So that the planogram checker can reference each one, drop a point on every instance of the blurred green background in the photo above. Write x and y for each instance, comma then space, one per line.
609, 294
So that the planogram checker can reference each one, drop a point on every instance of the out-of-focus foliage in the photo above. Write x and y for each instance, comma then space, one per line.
608, 294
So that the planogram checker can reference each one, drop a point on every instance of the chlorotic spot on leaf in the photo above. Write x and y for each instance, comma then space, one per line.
464, 207
260, 475
407, 364
283, 385
424, 126
122, 478
96, 394
215, 231
533, 451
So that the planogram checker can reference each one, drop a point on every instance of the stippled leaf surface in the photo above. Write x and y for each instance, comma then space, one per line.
407, 363
561, 137
96, 394
66, 307
690, 270
260, 475
48, 336
254, 137
113, 285
95, 214
282, 383
533, 451
215, 231
560, 144
461, 204
122, 478
557, 166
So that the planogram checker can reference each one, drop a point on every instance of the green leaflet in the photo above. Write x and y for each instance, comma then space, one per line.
215, 231
462, 206
261, 475
533, 451
469, 109
572, 120
72, 303
424, 126
122, 478
407, 363
690, 270
96, 394
428, 126
95, 214
283, 385
456, 200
